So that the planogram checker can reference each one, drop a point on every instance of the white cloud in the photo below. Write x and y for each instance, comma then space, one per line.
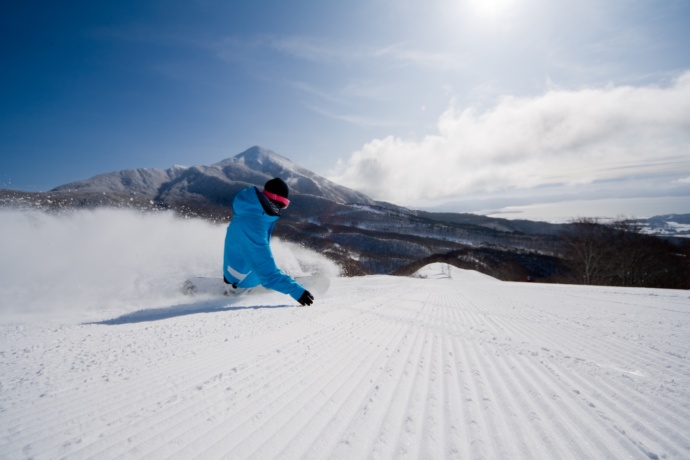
563, 137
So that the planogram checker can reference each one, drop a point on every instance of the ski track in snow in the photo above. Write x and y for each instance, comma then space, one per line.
379, 367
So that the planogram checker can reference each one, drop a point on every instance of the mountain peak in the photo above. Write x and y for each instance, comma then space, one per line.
258, 152
258, 158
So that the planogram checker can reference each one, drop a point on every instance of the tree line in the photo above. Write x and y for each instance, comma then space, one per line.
620, 254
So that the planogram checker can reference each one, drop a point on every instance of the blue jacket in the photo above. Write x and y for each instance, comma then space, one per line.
248, 259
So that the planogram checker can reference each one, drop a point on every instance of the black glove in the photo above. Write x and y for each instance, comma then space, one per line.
306, 299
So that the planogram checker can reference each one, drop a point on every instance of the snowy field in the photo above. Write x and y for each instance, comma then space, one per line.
102, 357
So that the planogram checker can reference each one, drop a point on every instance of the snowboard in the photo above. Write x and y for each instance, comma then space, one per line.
317, 284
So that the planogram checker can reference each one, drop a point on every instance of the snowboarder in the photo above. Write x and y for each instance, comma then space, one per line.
248, 260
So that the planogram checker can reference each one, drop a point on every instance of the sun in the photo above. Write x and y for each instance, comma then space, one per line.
489, 8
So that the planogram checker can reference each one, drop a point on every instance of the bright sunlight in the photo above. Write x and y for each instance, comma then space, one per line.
489, 8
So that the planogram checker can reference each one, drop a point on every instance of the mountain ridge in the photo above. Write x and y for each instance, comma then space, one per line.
364, 235
256, 165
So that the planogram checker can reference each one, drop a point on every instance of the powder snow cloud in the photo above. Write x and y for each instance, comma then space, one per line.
563, 138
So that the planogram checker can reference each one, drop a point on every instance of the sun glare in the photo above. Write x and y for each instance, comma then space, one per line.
489, 7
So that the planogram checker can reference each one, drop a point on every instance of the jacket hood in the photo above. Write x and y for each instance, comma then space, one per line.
248, 203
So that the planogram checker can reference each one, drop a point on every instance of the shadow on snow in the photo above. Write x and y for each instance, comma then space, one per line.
157, 314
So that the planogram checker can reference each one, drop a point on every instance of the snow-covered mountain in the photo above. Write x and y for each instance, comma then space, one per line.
145, 181
673, 225
218, 182
361, 234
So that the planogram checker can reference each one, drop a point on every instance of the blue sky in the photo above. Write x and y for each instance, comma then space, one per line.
466, 105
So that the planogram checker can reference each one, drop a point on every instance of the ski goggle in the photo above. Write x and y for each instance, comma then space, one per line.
280, 199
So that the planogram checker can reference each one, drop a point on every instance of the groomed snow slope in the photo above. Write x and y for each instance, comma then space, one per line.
102, 357
382, 367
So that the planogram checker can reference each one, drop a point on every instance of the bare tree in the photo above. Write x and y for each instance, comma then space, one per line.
633, 253
587, 252
621, 254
